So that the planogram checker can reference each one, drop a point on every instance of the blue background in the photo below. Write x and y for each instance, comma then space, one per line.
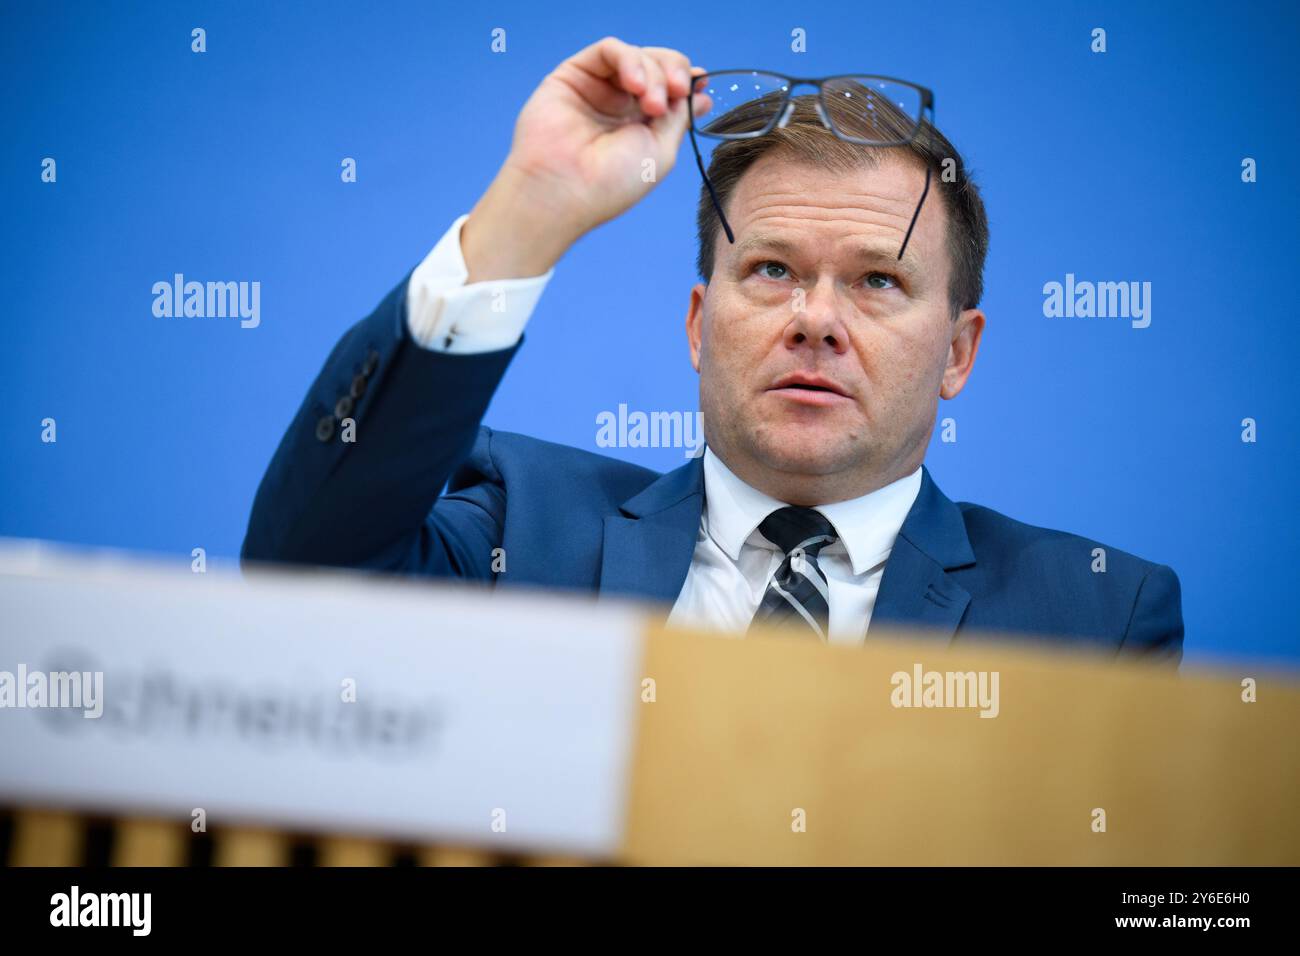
225, 166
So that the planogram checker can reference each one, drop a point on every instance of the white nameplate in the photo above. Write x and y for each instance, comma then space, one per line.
411, 710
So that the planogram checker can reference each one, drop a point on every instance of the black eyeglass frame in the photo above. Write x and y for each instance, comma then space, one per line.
927, 105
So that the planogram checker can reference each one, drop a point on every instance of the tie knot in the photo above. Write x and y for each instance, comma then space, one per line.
803, 528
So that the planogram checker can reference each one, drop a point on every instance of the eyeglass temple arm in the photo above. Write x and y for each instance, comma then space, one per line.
927, 107
916, 215
705, 176
699, 161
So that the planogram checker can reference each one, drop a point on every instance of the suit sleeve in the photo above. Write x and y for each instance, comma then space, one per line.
355, 479
1155, 630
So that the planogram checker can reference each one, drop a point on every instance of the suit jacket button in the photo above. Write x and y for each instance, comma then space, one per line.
343, 407
372, 363
358, 387
325, 429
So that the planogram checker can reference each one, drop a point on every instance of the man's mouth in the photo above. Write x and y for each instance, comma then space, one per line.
808, 389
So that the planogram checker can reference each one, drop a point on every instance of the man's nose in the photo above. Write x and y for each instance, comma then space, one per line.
817, 318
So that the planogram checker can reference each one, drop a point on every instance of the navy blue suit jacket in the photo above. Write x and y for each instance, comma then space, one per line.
573, 519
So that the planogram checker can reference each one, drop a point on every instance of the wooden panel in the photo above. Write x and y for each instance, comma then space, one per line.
348, 851
454, 856
150, 843
555, 861
250, 847
747, 736
46, 838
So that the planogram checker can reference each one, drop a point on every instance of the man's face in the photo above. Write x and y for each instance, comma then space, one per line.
813, 288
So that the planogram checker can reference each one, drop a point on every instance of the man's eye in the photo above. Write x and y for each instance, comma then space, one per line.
881, 280
764, 266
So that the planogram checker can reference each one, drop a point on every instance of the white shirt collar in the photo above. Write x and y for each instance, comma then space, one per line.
867, 526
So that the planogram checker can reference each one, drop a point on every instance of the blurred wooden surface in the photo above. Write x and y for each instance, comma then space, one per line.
46, 838
250, 847
150, 843
773, 751
746, 736
352, 851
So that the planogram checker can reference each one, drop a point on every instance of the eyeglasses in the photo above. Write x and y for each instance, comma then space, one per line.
862, 109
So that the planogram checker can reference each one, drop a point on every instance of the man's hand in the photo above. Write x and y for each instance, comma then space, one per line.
581, 144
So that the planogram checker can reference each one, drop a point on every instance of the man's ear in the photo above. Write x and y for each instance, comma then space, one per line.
695, 322
966, 333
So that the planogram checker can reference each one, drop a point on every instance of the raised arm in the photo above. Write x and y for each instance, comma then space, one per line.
398, 404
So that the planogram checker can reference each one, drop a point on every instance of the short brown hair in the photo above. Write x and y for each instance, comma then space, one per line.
804, 138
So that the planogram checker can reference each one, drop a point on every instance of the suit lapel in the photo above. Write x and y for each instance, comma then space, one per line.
648, 546
916, 590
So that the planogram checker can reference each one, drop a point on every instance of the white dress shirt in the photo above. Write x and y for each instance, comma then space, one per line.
445, 314
733, 563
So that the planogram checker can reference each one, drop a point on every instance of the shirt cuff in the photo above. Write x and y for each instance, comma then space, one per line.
446, 315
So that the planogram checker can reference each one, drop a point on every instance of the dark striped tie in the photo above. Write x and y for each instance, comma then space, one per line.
798, 593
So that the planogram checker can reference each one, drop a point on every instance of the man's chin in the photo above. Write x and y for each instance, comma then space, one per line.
807, 453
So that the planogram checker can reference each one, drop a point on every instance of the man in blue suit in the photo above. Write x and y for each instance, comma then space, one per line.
823, 335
